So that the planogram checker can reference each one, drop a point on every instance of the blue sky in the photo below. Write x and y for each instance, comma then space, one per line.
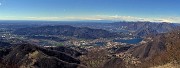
68, 10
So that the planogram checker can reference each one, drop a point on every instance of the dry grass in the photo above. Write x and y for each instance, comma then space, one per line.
95, 58
168, 65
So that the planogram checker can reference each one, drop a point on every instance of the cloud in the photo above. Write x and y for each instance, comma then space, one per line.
8, 17
43, 18
162, 20
166, 19
29, 18
124, 18
133, 18
103, 17
97, 17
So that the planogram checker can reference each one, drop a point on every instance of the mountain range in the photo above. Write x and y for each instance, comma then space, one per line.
162, 51
66, 30
159, 47
136, 28
32, 56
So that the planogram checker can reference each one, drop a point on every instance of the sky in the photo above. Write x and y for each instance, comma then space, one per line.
77, 10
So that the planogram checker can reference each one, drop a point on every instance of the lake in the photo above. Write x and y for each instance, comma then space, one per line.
130, 41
